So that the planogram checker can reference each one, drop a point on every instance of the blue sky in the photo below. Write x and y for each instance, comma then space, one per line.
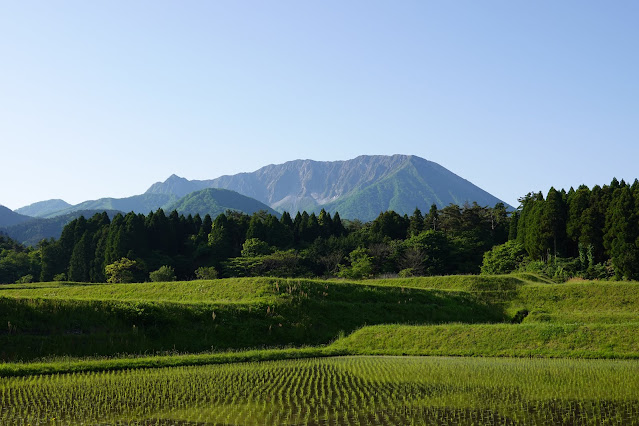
104, 98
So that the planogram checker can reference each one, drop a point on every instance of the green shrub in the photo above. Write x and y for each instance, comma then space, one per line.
206, 273
559, 269
361, 265
165, 273
25, 279
277, 264
503, 259
124, 270
60, 277
406, 273
253, 247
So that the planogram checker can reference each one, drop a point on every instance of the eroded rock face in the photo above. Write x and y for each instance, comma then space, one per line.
358, 189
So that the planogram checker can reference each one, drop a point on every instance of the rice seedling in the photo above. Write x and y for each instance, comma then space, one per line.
338, 390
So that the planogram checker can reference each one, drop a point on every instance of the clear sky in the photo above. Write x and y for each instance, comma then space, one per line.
104, 98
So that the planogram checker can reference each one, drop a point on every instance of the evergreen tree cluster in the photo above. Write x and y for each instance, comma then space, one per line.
596, 227
448, 240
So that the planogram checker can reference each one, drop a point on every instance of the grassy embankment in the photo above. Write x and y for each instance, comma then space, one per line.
459, 315
197, 316
576, 319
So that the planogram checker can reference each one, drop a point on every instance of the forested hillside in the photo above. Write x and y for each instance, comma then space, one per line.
36, 229
589, 233
213, 201
43, 208
9, 218
450, 240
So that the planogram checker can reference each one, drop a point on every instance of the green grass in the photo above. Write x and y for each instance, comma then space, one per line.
216, 380
583, 302
484, 283
343, 390
213, 291
199, 316
58, 319
65, 365
502, 340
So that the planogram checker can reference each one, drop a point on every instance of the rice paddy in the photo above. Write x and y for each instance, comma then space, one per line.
90, 354
338, 390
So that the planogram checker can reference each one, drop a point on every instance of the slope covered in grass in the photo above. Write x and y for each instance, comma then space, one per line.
486, 283
520, 340
579, 302
218, 291
197, 316
428, 316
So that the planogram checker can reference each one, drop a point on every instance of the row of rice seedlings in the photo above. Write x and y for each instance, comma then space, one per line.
345, 390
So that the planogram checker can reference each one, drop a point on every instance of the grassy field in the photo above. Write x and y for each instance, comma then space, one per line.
503, 340
296, 351
342, 390
84, 320
454, 315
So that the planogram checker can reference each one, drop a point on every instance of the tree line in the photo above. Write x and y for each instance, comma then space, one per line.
592, 233
450, 240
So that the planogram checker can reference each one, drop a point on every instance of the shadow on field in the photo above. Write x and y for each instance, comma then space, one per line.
305, 313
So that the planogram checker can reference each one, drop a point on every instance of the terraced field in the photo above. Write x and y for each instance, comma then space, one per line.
343, 390
90, 352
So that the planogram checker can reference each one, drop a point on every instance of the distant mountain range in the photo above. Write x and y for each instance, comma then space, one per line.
360, 188
9, 218
138, 204
43, 208
36, 229
213, 201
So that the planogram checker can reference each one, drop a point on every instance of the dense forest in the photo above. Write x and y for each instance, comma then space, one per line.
592, 233
443, 241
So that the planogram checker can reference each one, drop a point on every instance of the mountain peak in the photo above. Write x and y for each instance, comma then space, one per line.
175, 185
358, 188
43, 208
174, 177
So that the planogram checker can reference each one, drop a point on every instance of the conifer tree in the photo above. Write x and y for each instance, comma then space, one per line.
338, 226
325, 224
431, 221
416, 223
622, 232
81, 256
287, 221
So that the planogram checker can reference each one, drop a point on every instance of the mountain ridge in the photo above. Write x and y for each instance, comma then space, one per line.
9, 218
214, 201
359, 188
36, 229
43, 208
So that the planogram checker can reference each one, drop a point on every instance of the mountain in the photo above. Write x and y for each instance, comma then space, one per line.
211, 201
417, 183
8, 217
32, 231
214, 201
176, 185
360, 188
43, 208
138, 203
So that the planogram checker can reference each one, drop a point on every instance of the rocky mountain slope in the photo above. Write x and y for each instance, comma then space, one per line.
359, 188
